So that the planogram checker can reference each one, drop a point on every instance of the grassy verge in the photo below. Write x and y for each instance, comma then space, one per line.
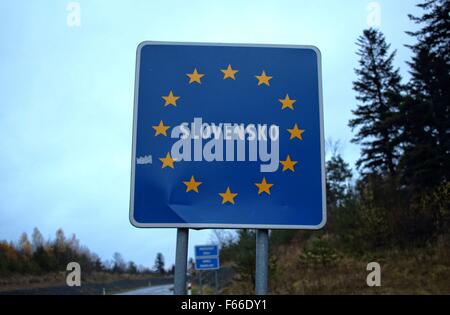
410, 271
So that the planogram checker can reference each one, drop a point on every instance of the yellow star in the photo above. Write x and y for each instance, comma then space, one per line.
296, 133
263, 187
167, 161
161, 129
263, 78
288, 164
229, 72
228, 196
192, 185
195, 76
171, 99
287, 102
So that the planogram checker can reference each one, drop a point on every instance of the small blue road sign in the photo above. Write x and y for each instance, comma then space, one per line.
207, 257
206, 263
228, 136
206, 250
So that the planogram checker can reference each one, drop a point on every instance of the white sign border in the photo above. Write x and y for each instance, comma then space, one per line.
221, 225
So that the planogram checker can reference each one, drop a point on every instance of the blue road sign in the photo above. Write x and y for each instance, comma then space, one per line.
227, 136
206, 263
207, 257
206, 250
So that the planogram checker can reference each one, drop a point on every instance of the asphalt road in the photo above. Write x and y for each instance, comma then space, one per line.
152, 290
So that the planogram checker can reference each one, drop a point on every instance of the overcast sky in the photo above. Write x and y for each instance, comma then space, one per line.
66, 99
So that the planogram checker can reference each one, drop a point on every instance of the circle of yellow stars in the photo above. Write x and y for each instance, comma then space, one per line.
228, 196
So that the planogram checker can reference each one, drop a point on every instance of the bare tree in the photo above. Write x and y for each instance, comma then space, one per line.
37, 239
222, 237
333, 147
119, 263
25, 245
60, 240
74, 243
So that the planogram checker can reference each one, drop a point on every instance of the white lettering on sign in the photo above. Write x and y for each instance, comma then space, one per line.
227, 142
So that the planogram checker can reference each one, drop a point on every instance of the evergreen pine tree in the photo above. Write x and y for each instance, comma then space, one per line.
425, 122
338, 177
159, 264
378, 90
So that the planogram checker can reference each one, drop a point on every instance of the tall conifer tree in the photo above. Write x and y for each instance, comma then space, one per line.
425, 116
378, 90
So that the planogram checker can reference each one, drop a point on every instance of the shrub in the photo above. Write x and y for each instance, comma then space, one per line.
319, 253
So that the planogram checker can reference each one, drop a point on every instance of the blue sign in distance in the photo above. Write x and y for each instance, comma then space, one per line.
206, 263
207, 257
206, 250
228, 136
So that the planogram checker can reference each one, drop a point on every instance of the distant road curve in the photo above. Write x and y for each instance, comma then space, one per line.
152, 290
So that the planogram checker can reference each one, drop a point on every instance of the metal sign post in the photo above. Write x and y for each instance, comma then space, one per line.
216, 280
262, 261
207, 258
200, 282
181, 262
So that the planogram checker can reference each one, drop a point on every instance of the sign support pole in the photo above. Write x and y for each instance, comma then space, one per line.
216, 280
181, 261
201, 283
262, 261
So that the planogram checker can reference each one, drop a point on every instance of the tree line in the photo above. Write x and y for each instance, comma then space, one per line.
38, 256
402, 194
400, 197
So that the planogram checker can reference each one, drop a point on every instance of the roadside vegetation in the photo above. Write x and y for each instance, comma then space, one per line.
38, 263
393, 209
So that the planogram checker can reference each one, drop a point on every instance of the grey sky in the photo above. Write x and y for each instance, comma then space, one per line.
66, 99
